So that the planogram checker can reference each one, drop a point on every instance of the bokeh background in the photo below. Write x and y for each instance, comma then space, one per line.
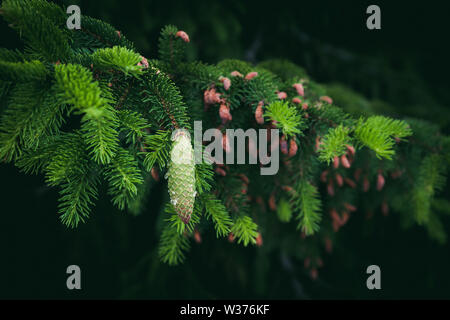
402, 68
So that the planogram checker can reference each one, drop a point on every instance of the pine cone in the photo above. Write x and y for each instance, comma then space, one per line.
181, 175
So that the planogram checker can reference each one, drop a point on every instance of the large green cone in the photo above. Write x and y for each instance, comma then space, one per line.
181, 175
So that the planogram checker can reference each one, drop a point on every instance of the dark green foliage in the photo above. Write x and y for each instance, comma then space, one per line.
171, 48
40, 23
305, 200
285, 69
217, 212
123, 176
22, 71
75, 86
430, 180
98, 34
82, 108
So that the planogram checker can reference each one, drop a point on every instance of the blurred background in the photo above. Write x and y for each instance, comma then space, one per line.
403, 69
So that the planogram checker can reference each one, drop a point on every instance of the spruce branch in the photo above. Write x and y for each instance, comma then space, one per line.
306, 200
22, 71
75, 86
284, 210
164, 99
204, 176
132, 125
123, 177
171, 48
245, 230
217, 212
173, 245
334, 143
178, 224
158, 146
32, 114
95, 33
39, 23
430, 179
377, 133
117, 58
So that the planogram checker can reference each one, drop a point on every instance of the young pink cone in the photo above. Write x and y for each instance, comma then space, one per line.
305, 106
296, 100
350, 182
335, 216
283, 145
236, 74
349, 207
244, 178
143, 62
211, 96
344, 218
224, 113
345, 162
183, 35
197, 237
251, 75
330, 187
336, 225
259, 240
221, 172
336, 162
326, 99
323, 176
154, 173
351, 150
281, 95
366, 184
339, 180
380, 181
259, 114
272, 202
299, 88
292, 148
226, 82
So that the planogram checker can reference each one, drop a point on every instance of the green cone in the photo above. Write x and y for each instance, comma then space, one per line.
181, 175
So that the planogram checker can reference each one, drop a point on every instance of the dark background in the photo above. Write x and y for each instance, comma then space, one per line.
405, 64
